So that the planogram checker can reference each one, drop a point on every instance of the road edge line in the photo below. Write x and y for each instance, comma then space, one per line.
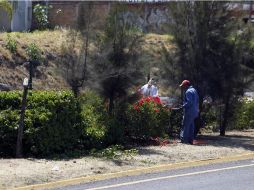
132, 172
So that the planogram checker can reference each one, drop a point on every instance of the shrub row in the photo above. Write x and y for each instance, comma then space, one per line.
59, 123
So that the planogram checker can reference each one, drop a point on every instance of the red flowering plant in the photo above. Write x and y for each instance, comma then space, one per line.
147, 118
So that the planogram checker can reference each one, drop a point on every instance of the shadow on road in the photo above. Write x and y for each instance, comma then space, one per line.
231, 141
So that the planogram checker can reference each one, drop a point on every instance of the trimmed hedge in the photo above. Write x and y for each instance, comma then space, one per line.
52, 123
56, 123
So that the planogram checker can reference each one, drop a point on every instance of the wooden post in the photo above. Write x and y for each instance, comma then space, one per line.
30, 81
19, 147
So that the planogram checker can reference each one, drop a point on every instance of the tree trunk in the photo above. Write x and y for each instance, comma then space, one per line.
225, 117
75, 90
111, 105
148, 76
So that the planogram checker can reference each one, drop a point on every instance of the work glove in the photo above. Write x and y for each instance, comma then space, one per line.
178, 108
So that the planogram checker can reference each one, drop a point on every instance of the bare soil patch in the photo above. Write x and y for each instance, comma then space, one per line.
21, 172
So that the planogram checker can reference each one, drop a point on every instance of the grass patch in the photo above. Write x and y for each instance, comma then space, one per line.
115, 152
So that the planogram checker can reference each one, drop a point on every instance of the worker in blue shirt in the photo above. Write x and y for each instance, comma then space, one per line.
191, 111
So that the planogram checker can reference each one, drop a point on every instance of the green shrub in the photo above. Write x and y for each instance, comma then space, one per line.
210, 117
147, 118
52, 123
56, 123
99, 128
10, 100
176, 118
11, 44
8, 131
94, 117
34, 52
59, 123
244, 115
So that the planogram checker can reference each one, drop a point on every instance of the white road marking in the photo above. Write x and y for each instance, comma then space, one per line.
170, 177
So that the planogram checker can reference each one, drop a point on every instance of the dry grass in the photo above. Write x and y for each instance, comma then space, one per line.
46, 40
154, 42
48, 76
13, 71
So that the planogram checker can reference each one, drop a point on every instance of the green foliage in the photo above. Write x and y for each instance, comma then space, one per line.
34, 52
116, 152
10, 100
41, 16
244, 115
56, 123
209, 115
94, 118
8, 131
175, 121
52, 123
147, 118
115, 133
11, 44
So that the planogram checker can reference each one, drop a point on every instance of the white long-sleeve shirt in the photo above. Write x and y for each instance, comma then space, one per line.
146, 91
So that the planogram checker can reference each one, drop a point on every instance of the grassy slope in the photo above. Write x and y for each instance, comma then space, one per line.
12, 69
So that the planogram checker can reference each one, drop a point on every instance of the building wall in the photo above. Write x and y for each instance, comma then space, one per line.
63, 13
146, 16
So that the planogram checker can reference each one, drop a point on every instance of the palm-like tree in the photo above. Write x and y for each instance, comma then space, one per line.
7, 6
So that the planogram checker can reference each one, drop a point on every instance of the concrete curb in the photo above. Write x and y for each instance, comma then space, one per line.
158, 168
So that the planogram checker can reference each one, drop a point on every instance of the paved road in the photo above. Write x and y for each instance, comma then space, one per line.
238, 175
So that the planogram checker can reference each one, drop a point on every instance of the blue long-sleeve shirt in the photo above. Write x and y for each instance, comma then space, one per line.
191, 102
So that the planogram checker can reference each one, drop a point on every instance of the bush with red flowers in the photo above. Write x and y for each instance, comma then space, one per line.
147, 118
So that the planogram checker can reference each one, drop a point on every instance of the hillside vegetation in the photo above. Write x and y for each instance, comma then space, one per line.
48, 74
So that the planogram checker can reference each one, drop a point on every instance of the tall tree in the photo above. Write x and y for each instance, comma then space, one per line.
206, 54
117, 58
75, 49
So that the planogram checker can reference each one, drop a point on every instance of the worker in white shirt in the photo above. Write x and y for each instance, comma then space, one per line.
149, 89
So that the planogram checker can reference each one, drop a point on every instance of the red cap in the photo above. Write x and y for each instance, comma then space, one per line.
185, 83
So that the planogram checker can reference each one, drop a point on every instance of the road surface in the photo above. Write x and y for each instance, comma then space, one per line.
237, 175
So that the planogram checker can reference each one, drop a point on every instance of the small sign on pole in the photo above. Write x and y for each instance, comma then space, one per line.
25, 82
